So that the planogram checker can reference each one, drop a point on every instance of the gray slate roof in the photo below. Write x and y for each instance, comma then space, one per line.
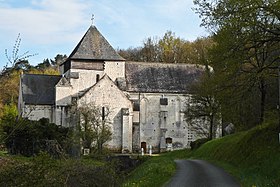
39, 89
161, 77
93, 46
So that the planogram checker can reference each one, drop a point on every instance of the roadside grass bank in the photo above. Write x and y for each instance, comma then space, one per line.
42, 170
156, 171
252, 157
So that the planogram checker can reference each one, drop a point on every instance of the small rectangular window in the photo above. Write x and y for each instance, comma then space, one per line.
97, 77
163, 101
136, 105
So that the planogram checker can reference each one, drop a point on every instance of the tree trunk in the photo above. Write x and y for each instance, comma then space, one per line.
263, 98
211, 127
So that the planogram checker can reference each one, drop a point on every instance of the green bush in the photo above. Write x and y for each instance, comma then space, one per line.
25, 137
42, 171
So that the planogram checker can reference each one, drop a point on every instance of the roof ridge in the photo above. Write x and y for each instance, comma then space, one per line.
41, 74
166, 64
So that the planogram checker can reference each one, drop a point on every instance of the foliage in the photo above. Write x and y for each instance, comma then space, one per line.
42, 170
94, 126
169, 49
10, 78
252, 156
9, 114
245, 56
25, 137
48, 63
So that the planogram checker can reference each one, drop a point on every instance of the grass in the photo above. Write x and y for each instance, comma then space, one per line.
252, 157
156, 171
42, 170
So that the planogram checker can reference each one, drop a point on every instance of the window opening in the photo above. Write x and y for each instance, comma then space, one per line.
97, 77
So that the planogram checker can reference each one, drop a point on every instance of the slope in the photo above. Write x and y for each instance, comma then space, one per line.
251, 156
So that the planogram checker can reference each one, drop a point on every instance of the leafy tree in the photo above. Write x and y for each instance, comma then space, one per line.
22, 136
50, 63
16, 65
25, 137
45, 64
133, 54
246, 54
58, 59
42, 170
94, 126
199, 51
169, 49
150, 52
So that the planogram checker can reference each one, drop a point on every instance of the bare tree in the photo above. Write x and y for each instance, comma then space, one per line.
94, 126
15, 59
203, 110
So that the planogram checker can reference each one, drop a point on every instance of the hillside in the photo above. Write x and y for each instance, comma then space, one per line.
251, 156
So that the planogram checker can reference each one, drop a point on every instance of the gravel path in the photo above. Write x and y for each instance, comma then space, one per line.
199, 173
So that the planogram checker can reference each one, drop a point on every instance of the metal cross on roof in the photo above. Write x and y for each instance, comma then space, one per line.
92, 18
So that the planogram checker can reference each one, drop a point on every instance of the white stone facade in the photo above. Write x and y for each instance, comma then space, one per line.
142, 113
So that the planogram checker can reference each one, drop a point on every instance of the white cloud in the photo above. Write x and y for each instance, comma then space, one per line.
46, 21
49, 27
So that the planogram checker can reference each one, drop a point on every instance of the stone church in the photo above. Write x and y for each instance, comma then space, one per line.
147, 100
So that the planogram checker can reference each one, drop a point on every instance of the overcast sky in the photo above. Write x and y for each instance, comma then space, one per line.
50, 27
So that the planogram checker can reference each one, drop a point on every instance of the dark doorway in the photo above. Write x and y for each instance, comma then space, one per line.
168, 140
144, 146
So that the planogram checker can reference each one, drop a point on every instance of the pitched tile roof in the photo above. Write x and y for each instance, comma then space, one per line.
93, 46
161, 77
39, 89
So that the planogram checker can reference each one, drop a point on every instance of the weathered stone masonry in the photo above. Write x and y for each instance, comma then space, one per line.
147, 100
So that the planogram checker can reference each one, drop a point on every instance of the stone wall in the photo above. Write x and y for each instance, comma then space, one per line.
162, 117
106, 94
36, 112
84, 79
114, 69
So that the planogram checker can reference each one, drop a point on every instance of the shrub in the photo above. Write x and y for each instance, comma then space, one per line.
43, 170
25, 137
